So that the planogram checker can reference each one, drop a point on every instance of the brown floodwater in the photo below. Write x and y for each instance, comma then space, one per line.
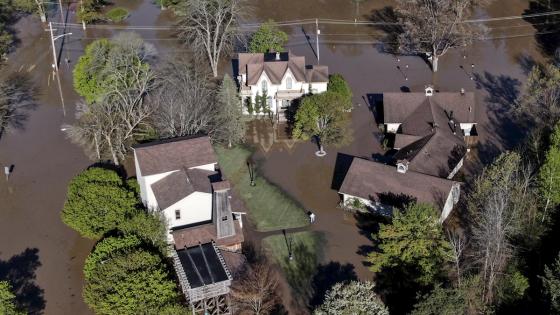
45, 161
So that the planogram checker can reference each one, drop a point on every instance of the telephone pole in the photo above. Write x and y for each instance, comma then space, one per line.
317, 32
55, 65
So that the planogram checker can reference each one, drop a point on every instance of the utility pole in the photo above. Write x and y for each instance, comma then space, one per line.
61, 13
318, 31
55, 65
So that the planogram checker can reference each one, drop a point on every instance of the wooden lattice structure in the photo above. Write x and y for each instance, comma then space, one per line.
204, 278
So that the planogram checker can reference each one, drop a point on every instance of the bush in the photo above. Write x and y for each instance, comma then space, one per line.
337, 84
352, 298
268, 38
98, 201
117, 14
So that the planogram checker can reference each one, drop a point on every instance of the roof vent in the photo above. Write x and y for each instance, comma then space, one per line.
429, 90
402, 166
462, 91
277, 56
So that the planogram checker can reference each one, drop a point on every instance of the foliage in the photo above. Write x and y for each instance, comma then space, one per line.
129, 283
16, 99
323, 116
7, 300
414, 240
540, 102
231, 126
150, 227
108, 248
89, 10
512, 287
117, 14
337, 84
89, 71
210, 27
434, 27
352, 298
255, 290
551, 284
549, 173
268, 38
98, 201
269, 208
249, 105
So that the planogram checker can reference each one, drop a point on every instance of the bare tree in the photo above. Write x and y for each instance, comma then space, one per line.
209, 27
185, 100
255, 292
16, 99
458, 244
432, 27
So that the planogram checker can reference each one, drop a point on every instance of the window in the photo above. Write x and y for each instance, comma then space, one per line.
224, 218
269, 102
264, 86
289, 83
177, 214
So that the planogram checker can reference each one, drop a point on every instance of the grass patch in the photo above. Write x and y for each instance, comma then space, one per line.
269, 207
117, 14
306, 248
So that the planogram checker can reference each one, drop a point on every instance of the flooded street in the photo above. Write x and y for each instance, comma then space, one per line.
31, 233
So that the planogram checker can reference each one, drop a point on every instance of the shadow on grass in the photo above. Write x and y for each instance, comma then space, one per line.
19, 271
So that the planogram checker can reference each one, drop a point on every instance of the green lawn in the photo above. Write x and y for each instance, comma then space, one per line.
306, 248
117, 14
269, 208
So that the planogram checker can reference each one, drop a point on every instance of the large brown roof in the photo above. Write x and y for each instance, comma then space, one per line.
191, 236
397, 107
178, 185
174, 154
254, 64
372, 180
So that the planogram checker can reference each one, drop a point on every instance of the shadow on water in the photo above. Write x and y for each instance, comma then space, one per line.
548, 33
342, 164
388, 24
20, 270
375, 104
327, 276
17, 99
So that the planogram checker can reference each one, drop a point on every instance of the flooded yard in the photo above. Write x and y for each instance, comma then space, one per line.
30, 202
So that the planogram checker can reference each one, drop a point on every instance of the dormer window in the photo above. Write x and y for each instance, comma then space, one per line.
289, 83
177, 214
264, 86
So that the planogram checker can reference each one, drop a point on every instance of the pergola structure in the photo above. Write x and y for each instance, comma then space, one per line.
204, 278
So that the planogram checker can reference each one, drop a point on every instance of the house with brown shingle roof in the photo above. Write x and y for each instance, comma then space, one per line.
281, 77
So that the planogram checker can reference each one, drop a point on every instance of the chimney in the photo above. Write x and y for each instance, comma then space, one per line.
429, 90
277, 56
402, 166
462, 91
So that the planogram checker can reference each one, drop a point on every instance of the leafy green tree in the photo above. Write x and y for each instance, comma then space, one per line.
415, 240
108, 248
231, 126
98, 201
549, 173
150, 227
90, 10
88, 72
512, 287
323, 116
540, 102
337, 84
551, 284
352, 298
249, 105
7, 300
130, 283
268, 38
258, 103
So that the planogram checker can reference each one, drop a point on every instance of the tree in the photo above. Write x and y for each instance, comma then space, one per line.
549, 173
433, 27
16, 99
185, 100
209, 27
150, 227
354, 297
107, 248
268, 38
230, 124
130, 283
337, 84
458, 244
415, 240
7, 300
501, 206
540, 102
98, 201
323, 116
551, 284
255, 291
89, 72
89, 10
31, 6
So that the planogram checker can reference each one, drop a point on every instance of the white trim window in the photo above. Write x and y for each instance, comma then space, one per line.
288, 83
264, 86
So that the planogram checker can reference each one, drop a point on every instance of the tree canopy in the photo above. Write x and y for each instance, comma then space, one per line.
415, 240
98, 201
324, 116
549, 174
130, 282
352, 298
268, 38
230, 122
337, 84
551, 284
7, 300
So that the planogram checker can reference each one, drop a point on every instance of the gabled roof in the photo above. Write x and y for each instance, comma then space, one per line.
402, 140
254, 64
180, 184
174, 154
372, 180
397, 107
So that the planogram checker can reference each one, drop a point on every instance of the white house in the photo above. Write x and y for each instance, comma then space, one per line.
180, 179
381, 187
280, 77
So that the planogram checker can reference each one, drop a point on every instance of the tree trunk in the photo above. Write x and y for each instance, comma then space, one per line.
43, 17
435, 59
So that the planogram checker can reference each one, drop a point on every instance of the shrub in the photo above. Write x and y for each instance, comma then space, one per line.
117, 14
